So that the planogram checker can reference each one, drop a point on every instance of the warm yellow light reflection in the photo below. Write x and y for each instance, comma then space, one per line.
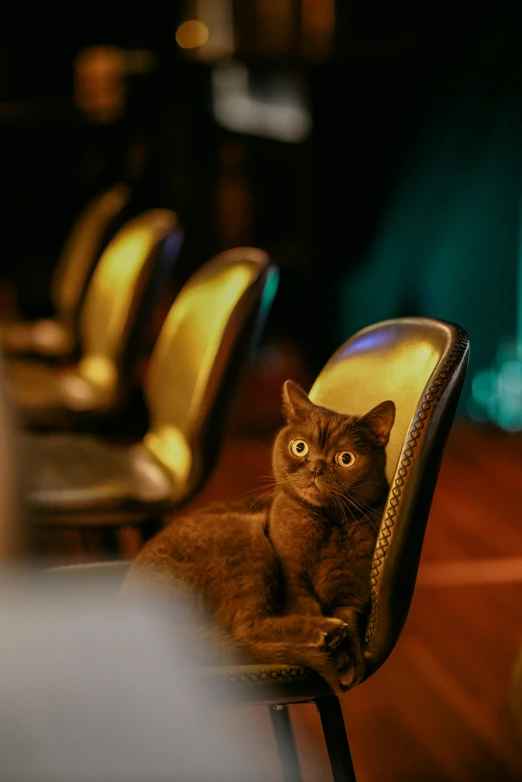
403, 380
189, 341
112, 288
81, 247
192, 34
98, 370
125, 256
169, 446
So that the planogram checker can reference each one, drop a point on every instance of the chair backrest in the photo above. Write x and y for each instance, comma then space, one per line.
420, 364
193, 372
82, 249
120, 299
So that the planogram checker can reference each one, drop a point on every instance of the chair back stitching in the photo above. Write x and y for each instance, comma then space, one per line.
429, 402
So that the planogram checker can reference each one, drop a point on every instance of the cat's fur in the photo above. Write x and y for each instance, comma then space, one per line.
288, 576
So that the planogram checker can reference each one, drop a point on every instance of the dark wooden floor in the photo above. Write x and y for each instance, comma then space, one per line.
439, 709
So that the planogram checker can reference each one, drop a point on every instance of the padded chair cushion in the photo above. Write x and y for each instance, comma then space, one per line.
254, 683
49, 396
67, 473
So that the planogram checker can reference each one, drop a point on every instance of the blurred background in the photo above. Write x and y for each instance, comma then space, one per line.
374, 150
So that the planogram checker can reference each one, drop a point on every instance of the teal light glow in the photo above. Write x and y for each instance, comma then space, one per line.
449, 241
497, 391
267, 300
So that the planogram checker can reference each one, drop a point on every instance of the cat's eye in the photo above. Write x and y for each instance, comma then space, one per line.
299, 447
344, 458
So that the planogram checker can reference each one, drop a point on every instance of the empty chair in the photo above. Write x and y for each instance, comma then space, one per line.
77, 480
57, 337
419, 363
114, 319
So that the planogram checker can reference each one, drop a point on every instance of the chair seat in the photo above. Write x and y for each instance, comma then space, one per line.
48, 396
71, 473
245, 684
47, 338
237, 681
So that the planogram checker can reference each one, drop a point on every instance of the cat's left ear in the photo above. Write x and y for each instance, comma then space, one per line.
380, 420
295, 401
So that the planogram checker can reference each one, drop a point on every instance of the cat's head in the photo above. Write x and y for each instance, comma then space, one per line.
329, 460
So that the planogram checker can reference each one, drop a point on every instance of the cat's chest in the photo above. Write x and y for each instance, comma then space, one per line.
340, 568
328, 556
336, 550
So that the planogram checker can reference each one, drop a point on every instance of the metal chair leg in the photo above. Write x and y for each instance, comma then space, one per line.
108, 540
149, 528
285, 743
336, 739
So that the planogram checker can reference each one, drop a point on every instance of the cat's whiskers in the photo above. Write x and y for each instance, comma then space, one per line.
354, 517
261, 490
256, 499
259, 496
365, 483
359, 503
339, 503
253, 458
339, 497
267, 488
352, 500
272, 482
366, 504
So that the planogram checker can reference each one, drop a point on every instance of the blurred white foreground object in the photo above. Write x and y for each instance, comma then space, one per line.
92, 689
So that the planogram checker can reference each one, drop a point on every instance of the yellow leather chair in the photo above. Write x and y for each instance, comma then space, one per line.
57, 337
80, 481
114, 319
420, 363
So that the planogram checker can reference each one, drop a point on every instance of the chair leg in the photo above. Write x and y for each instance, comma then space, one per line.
101, 543
85, 541
336, 739
149, 528
108, 539
285, 743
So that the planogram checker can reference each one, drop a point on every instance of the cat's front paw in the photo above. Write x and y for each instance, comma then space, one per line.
350, 670
330, 633
335, 636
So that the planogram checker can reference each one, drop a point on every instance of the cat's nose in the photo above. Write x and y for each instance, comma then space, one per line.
317, 468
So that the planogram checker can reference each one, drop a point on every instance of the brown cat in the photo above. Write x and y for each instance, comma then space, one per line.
288, 576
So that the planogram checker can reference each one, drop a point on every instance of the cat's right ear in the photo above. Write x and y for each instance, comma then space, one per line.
295, 401
380, 420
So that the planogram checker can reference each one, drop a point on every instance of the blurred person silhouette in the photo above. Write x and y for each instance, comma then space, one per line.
108, 128
116, 93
